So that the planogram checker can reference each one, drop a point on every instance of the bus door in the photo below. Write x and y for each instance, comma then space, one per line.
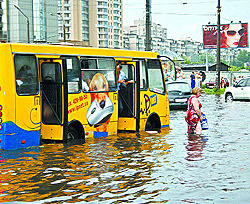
128, 116
52, 99
27, 102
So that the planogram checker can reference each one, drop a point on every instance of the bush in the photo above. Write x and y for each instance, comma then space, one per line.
214, 91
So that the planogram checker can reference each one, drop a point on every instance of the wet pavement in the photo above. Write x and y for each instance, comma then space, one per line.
169, 167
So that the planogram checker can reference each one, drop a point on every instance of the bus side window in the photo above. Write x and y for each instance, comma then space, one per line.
26, 74
94, 69
155, 76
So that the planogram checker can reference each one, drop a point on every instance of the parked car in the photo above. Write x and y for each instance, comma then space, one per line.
211, 84
178, 94
240, 91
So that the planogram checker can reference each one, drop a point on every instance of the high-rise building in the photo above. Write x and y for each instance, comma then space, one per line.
95, 23
105, 25
45, 21
85, 21
74, 21
19, 24
135, 36
31, 20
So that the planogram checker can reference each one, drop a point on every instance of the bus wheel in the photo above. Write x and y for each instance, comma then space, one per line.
72, 134
153, 123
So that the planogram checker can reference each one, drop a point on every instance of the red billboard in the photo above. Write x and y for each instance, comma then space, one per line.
234, 35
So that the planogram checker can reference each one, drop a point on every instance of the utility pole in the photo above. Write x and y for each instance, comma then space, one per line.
218, 64
28, 22
148, 26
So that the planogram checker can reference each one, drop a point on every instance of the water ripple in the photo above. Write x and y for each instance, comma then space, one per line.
169, 167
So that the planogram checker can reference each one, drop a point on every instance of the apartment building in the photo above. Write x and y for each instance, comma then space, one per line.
73, 21
95, 23
134, 38
105, 27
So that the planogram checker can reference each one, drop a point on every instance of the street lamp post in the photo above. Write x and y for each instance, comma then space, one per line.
28, 22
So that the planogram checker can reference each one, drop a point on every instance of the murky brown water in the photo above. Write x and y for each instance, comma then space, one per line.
148, 168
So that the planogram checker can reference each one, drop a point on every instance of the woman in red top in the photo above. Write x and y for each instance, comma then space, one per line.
194, 115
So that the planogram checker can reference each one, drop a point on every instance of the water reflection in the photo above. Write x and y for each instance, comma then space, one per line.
170, 167
103, 168
195, 146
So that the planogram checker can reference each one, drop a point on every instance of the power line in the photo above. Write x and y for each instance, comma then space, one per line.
185, 14
187, 3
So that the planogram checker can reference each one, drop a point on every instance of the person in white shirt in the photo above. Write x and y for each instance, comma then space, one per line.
198, 79
180, 74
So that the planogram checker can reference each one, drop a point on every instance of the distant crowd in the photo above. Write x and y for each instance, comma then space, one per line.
196, 77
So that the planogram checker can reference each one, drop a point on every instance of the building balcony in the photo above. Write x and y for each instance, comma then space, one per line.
67, 18
101, 26
103, 19
103, 33
105, 41
66, 5
116, 9
105, 6
117, 15
67, 11
117, 21
102, 12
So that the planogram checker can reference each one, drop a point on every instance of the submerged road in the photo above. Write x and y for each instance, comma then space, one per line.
168, 167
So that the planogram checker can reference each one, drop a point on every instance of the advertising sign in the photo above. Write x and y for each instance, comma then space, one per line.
234, 35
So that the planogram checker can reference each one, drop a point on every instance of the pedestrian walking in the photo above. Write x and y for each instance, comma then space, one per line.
194, 115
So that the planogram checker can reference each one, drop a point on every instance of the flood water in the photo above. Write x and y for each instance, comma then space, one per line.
169, 167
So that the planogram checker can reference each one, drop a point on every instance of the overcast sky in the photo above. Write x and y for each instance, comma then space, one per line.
186, 20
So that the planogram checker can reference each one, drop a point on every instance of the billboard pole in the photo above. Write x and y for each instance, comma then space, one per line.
218, 64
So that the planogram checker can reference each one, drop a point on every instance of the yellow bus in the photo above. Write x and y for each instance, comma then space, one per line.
64, 93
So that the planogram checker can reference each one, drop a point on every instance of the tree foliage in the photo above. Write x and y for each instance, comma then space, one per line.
201, 60
211, 58
242, 61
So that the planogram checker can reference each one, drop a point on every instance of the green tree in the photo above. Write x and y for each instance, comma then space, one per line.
211, 58
186, 60
243, 57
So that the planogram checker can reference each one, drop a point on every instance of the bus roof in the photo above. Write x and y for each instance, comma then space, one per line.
44, 49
